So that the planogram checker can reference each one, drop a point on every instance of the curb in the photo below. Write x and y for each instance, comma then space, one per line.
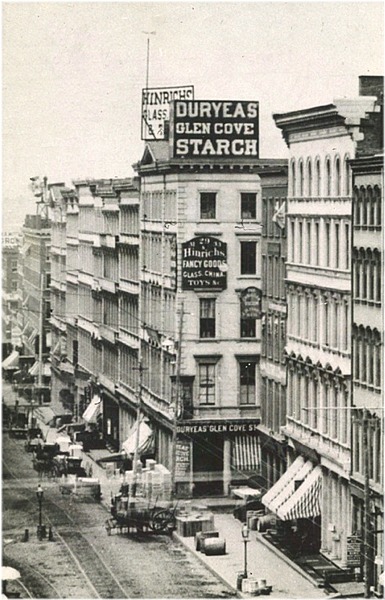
199, 556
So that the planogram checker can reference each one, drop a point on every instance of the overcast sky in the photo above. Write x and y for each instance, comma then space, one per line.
73, 73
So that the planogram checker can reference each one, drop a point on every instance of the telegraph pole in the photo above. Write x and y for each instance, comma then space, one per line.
177, 399
41, 332
138, 419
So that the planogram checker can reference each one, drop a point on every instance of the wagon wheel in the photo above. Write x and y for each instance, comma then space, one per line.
162, 520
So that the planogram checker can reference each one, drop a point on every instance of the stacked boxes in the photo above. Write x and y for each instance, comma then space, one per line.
153, 481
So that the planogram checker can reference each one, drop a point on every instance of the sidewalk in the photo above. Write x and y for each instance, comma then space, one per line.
263, 563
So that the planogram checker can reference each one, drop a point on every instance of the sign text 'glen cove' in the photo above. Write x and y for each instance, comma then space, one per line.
214, 128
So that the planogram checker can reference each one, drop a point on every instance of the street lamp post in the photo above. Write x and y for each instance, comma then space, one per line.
245, 536
39, 495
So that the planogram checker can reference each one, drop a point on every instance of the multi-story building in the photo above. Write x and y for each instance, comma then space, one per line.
35, 308
321, 142
10, 302
102, 305
63, 203
367, 477
274, 316
201, 235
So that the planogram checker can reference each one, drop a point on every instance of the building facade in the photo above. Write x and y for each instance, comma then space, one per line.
35, 307
274, 317
321, 142
367, 476
10, 301
201, 226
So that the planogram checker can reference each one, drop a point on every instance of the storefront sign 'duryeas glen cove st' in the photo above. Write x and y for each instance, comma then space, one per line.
215, 128
204, 264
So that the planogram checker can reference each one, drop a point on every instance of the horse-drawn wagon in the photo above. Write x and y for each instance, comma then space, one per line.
141, 514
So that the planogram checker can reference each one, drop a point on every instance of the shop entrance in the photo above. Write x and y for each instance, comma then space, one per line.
208, 464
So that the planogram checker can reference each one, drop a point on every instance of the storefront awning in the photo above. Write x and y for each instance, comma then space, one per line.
93, 410
246, 453
296, 495
305, 502
12, 361
34, 370
146, 439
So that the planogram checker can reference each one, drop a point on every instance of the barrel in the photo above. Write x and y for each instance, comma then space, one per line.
214, 546
202, 535
266, 522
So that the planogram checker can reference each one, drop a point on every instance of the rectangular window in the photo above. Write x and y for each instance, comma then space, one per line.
337, 256
317, 243
300, 241
327, 234
248, 328
207, 318
309, 242
248, 258
208, 205
248, 206
247, 373
206, 381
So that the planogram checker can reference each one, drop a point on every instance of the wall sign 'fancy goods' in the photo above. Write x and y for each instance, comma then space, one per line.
204, 264
251, 303
156, 109
213, 128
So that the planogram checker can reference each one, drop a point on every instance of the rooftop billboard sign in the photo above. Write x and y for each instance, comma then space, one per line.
156, 109
215, 128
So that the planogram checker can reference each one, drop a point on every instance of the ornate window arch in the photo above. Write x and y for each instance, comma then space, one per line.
293, 177
337, 170
328, 176
301, 178
357, 206
364, 199
309, 177
347, 175
317, 169
378, 204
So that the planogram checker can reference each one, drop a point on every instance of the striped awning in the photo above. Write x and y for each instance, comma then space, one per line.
296, 495
245, 453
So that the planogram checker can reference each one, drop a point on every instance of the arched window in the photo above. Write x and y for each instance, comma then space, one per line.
301, 178
347, 176
371, 207
328, 175
364, 200
357, 286
370, 358
357, 206
377, 196
309, 178
338, 176
317, 177
293, 181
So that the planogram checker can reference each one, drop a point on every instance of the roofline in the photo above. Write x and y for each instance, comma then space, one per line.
260, 165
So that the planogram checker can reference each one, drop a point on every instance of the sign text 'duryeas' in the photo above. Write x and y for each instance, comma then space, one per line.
204, 128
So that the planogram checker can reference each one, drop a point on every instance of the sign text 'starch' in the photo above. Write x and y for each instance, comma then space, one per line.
214, 128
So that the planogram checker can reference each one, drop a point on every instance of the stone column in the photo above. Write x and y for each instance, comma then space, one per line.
226, 466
